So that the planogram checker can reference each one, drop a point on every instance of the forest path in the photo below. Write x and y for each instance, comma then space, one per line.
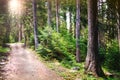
24, 65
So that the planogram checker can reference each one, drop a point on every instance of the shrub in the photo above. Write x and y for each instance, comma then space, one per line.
112, 57
60, 46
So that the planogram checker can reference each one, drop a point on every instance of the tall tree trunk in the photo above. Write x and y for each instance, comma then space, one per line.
118, 21
74, 33
70, 22
35, 23
78, 31
57, 15
68, 19
20, 32
49, 12
92, 63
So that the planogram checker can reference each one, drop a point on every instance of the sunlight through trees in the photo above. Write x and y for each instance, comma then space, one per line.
67, 31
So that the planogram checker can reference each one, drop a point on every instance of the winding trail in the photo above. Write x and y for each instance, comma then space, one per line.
24, 65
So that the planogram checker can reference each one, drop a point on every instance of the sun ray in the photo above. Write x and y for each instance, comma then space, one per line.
15, 7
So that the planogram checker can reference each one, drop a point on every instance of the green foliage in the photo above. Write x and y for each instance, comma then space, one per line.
69, 74
53, 42
112, 58
60, 46
3, 50
2, 28
83, 43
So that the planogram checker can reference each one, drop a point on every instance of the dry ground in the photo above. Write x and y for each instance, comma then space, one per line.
24, 65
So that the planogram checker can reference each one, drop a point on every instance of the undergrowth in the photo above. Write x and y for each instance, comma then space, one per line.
61, 48
3, 50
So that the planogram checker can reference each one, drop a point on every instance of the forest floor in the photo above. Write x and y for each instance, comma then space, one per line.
23, 64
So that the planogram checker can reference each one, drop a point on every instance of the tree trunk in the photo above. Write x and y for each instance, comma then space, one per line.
49, 12
35, 23
70, 22
68, 19
118, 21
20, 32
74, 33
57, 15
78, 31
92, 63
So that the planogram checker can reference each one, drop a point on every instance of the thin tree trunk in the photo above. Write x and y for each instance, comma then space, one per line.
57, 15
92, 63
49, 12
74, 33
35, 24
68, 19
20, 32
78, 31
70, 22
118, 21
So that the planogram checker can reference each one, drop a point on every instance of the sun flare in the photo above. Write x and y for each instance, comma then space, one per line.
14, 3
15, 7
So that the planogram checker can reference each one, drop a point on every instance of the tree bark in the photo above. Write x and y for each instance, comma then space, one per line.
77, 30
49, 12
20, 32
70, 14
118, 20
57, 15
35, 23
92, 63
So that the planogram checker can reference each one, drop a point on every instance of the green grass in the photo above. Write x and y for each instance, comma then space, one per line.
3, 50
70, 74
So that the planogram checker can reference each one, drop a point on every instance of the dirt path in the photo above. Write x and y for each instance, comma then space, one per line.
24, 65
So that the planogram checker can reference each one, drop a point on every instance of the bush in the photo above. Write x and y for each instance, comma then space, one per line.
55, 45
60, 46
112, 57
